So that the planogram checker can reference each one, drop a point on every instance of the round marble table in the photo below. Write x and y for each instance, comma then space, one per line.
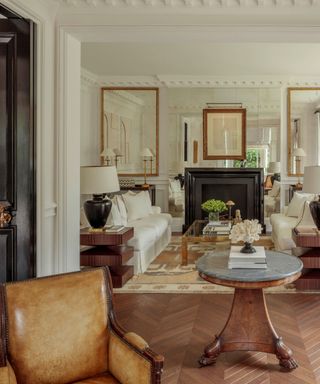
248, 327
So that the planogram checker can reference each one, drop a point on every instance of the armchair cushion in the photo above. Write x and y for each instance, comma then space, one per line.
104, 378
275, 191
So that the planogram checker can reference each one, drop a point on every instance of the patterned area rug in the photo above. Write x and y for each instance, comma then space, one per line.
166, 274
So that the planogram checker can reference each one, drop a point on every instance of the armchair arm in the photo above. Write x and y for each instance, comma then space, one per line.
7, 375
131, 361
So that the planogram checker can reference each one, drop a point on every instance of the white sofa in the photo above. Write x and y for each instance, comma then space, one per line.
152, 229
296, 214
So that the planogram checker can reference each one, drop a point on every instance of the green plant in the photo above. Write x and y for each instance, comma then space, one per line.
213, 205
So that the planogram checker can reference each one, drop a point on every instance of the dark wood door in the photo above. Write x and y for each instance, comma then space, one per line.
17, 151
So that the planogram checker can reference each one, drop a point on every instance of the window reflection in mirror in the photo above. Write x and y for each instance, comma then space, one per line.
303, 130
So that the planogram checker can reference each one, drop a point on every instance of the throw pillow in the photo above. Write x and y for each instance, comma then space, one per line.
305, 219
136, 205
114, 217
275, 191
122, 210
296, 204
146, 196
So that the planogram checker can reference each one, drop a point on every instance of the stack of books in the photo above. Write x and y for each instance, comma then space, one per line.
255, 260
217, 228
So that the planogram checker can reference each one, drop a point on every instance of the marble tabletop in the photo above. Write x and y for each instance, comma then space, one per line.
280, 265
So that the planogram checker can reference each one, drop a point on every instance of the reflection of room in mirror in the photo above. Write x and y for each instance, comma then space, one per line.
303, 129
129, 124
186, 125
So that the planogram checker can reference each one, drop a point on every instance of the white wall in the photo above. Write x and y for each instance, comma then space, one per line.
90, 123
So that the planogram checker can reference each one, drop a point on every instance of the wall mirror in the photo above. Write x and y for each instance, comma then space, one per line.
130, 129
186, 106
186, 126
303, 129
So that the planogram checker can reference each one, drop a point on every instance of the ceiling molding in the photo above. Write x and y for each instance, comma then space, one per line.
129, 81
88, 78
172, 81
182, 4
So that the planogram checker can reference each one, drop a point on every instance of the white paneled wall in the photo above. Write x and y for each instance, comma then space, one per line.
90, 124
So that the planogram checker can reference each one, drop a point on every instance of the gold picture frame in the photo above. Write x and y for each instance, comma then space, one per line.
224, 134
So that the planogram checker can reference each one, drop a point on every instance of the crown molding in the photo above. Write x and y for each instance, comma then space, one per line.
89, 78
129, 81
185, 4
172, 81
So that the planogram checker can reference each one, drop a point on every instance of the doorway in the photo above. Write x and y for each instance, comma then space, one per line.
17, 147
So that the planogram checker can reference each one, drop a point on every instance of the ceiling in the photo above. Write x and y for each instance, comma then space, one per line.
254, 59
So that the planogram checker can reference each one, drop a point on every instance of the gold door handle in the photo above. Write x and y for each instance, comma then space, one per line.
5, 216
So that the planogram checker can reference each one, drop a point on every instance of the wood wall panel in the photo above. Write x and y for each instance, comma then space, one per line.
7, 124
7, 253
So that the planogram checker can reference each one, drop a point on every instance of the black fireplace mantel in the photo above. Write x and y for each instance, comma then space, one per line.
244, 186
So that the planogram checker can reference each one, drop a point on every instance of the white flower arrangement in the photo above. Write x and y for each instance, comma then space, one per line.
247, 231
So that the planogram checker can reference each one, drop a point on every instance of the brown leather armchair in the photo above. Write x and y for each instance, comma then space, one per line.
62, 329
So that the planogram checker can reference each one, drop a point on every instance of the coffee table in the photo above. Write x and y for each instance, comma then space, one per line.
249, 327
194, 235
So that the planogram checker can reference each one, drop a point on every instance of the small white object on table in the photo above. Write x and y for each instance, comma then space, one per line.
255, 260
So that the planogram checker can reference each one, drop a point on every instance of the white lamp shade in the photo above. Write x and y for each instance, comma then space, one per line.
107, 152
311, 179
299, 152
274, 167
97, 180
146, 152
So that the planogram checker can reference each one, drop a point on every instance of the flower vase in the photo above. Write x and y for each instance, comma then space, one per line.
213, 216
247, 248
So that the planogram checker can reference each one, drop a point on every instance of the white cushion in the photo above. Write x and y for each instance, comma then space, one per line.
143, 236
275, 191
83, 219
305, 219
114, 217
296, 204
142, 194
282, 230
175, 185
122, 210
138, 205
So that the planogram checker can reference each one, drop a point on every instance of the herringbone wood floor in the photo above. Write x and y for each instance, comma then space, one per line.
179, 326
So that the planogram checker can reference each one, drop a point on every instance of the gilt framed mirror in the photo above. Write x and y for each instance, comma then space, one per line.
303, 133
130, 126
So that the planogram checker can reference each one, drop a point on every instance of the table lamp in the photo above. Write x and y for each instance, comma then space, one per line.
146, 154
108, 154
311, 184
117, 154
298, 153
274, 167
98, 181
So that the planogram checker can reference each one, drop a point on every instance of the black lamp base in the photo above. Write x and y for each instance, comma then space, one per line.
315, 212
97, 211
